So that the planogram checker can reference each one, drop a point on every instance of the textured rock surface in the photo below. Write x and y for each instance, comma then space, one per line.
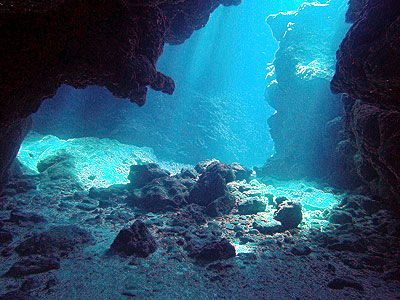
368, 63
140, 175
136, 240
11, 137
161, 194
303, 67
56, 240
33, 265
290, 214
112, 44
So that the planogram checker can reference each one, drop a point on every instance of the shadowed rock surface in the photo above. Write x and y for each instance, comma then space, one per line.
367, 70
136, 240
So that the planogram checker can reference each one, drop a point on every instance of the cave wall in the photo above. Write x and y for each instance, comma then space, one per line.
367, 71
307, 126
112, 44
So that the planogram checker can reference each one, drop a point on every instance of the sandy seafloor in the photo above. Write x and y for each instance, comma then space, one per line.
264, 266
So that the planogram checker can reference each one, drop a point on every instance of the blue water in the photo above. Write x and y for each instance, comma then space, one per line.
219, 108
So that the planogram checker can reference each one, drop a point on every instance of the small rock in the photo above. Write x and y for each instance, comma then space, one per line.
217, 250
57, 239
188, 174
279, 200
252, 206
136, 240
341, 283
221, 206
140, 175
241, 172
340, 217
289, 214
88, 206
269, 228
300, 250
19, 217
33, 265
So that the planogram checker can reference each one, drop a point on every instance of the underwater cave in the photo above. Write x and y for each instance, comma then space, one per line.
200, 149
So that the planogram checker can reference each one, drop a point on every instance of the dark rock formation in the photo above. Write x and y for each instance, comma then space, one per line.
300, 93
162, 194
19, 217
221, 206
217, 250
289, 214
140, 175
269, 228
11, 137
136, 240
206, 245
190, 215
340, 217
112, 44
212, 183
61, 239
5, 236
300, 250
251, 206
368, 64
341, 283
33, 265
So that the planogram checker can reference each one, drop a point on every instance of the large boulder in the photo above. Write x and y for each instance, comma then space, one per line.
289, 213
140, 175
135, 240
212, 184
161, 194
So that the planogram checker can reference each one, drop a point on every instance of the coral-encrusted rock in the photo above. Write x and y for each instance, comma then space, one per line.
140, 175
33, 265
289, 213
61, 239
252, 206
161, 194
212, 184
136, 240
